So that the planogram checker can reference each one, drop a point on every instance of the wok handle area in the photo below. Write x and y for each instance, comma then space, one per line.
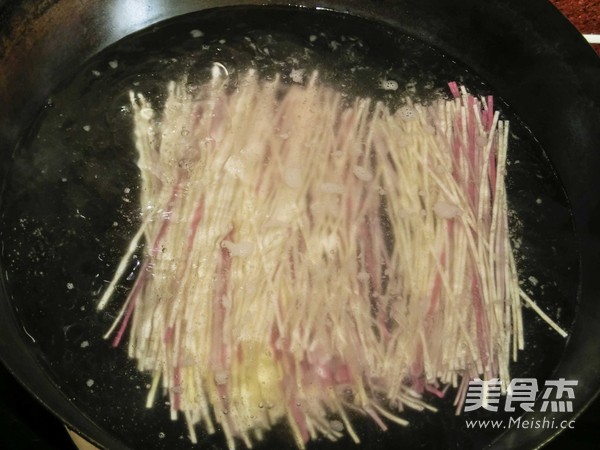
585, 15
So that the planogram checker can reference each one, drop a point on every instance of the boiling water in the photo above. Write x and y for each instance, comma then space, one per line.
71, 203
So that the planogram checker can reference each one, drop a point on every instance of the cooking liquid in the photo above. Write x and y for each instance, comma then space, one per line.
72, 202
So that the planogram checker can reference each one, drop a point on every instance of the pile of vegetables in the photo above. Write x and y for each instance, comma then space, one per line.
310, 258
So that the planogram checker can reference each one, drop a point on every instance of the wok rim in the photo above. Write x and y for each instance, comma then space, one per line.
552, 36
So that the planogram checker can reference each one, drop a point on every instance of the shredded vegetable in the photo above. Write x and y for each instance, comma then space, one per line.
309, 258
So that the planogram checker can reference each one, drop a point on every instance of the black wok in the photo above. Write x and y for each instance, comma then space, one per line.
525, 52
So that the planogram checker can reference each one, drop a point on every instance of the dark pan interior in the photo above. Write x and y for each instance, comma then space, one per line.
526, 54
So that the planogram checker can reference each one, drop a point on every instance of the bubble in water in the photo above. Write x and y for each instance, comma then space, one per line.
297, 75
388, 85
407, 113
336, 425
219, 70
221, 378
362, 173
147, 113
